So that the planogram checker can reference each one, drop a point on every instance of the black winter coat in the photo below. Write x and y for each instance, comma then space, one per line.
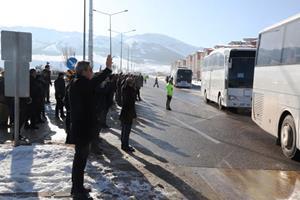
35, 90
128, 112
82, 105
60, 88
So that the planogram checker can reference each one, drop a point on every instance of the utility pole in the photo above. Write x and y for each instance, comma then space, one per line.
110, 15
91, 34
110, 43
121, 56
84, 27
128, 59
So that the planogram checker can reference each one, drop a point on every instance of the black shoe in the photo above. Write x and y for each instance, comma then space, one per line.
128, 149
85, 190
169, 109
82, 196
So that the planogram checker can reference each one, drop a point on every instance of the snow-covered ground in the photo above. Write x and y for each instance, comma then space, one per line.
47, 169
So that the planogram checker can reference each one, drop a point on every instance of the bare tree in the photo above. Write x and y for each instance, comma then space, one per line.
67, 52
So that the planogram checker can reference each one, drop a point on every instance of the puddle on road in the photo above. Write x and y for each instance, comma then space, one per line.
253, 184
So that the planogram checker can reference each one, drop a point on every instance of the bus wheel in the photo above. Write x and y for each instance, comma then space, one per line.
220, 102
288, 137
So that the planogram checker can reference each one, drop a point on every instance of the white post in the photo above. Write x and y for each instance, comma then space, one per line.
16, 89
84, 28
110, 43
121, 56
128, 59
91, 34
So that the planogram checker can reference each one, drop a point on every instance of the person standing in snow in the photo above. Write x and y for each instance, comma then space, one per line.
84, 120
60, 88
47, 77
128, 113
70, 76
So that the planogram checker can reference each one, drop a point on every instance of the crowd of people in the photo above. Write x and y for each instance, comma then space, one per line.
83, 100
32, 108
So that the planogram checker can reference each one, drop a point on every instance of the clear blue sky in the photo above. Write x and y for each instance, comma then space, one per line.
198, 22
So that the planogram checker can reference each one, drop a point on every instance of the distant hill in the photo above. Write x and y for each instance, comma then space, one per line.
155, 49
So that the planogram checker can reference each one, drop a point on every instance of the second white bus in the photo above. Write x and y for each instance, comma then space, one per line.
227, 77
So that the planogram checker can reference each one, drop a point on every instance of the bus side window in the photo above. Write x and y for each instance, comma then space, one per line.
291, 50
270, 48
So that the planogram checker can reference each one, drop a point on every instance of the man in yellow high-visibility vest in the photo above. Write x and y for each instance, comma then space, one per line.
169, 88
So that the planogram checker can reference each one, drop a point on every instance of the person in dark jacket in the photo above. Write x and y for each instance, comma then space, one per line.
47, 78
128, 113
70, 77
139, 83
35, 93
102, 93
41, 99
118, 95
156, 82
84, 120
60, 88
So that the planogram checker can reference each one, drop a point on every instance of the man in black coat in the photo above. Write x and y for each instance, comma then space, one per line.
60, 88
128, 112
47, 77
70, 77
84, 120
35, 94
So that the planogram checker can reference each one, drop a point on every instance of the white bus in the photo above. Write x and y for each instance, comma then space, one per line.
182, 77
276, 89
227, 77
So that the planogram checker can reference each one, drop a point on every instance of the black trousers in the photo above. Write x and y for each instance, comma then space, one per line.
47, 93
126, 129
138, 94
33, 113
169, 98
79, 163
156, 84
68, 128
103, 116
59, 108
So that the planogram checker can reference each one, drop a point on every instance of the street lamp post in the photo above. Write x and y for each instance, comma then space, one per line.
128, 59
121, 56
121, 52
110, 15
84, 28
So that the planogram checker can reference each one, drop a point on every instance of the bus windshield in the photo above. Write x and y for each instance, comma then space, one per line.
240, 74
184, 75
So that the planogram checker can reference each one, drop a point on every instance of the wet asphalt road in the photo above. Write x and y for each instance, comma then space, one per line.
199, 135
218, 147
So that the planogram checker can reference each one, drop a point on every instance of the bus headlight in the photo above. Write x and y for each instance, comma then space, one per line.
232, 97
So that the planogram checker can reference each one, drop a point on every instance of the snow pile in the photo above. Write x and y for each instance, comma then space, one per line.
38, 168
47, 168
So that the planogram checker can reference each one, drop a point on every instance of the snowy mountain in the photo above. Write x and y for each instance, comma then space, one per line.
153, 49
